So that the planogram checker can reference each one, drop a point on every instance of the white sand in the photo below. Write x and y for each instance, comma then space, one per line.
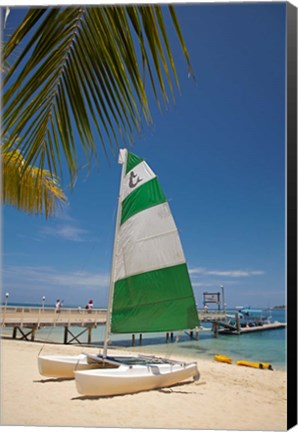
226, 397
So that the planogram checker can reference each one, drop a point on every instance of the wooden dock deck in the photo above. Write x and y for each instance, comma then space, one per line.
259, 328
25, 316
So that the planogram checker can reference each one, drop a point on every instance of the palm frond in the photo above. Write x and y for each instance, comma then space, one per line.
82, 73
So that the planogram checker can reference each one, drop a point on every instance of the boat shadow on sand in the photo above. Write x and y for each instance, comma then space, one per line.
52, 380
166, 390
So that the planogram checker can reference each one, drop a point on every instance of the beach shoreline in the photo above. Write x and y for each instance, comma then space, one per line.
226, 397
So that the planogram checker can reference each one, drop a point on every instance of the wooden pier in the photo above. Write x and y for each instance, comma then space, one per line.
25, 321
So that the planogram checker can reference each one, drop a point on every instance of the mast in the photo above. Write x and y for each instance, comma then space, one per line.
123, 161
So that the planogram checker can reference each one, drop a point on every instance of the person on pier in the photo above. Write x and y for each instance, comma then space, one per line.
89, 306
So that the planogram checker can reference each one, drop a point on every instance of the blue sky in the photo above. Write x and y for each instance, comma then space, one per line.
219, 153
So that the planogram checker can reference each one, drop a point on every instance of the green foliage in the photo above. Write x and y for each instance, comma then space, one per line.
32, 190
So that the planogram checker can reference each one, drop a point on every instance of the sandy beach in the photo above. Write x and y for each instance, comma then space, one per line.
225, 397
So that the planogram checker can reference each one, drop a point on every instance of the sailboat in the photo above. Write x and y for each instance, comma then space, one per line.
150, 291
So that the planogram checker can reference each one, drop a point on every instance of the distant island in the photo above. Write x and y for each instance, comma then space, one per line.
280, 307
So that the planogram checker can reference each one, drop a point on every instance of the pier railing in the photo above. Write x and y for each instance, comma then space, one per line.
27, 316
211, 315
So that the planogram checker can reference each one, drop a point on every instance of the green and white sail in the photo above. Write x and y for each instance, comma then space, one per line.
150, 281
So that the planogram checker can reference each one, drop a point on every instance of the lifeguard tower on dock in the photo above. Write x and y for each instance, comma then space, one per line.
218, 313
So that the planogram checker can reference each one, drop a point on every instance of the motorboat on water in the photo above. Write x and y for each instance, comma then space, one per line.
249, 317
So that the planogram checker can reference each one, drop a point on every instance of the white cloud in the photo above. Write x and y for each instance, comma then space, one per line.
81, 279
47, 276
201, 284
26, 284
225, 273
66, 232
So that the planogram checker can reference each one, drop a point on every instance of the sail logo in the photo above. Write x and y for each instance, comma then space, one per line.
136, 177
132, 182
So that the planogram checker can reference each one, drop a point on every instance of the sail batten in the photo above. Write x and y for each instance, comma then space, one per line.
152, 289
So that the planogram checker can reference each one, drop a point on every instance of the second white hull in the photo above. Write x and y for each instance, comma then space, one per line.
131, 379
63, 366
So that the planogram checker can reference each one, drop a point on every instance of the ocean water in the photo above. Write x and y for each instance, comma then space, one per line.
266, 346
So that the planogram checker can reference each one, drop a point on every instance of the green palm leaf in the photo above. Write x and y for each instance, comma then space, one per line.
32, 191
82, 73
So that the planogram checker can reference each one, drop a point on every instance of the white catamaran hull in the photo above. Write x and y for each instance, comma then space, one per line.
65, 366
133, 378
62, 366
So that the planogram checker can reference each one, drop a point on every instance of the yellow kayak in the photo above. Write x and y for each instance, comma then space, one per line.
222, 358
257, 365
